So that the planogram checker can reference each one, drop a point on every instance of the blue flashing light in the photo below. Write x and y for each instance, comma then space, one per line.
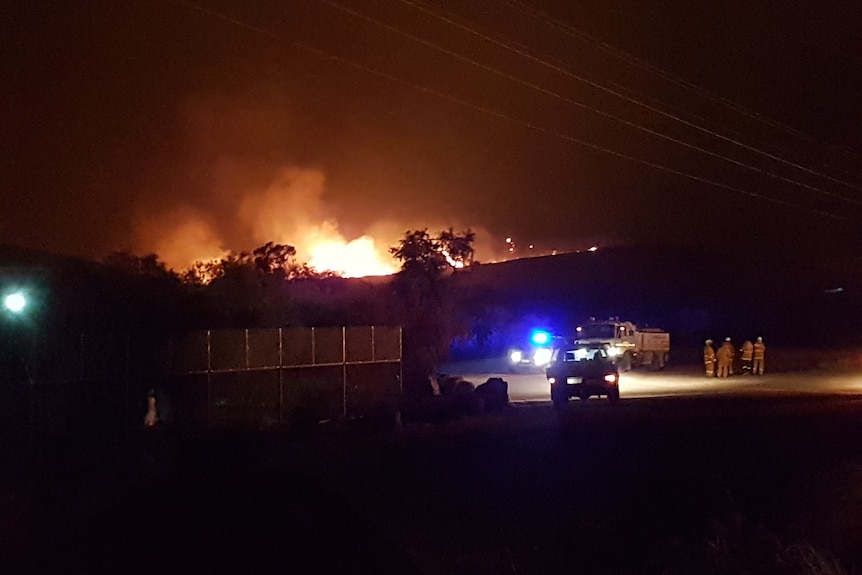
540, 337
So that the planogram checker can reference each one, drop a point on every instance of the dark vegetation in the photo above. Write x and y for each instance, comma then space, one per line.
449, 313
762, 486
656, 486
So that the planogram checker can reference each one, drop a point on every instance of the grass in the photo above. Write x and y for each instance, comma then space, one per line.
655, 486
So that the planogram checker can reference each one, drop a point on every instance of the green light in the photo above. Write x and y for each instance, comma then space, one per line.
15, 302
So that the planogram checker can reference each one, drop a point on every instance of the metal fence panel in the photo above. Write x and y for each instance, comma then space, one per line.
264, 397
224, 377
328, 345
264, 348
297, 346
313, 392
228, 349
387, 343
372, 385
358, 344
241, 399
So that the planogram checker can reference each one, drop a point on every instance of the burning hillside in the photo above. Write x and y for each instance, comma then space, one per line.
290, 211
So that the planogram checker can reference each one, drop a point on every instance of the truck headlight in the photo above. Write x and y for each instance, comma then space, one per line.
542, 356
516, 356
613, 351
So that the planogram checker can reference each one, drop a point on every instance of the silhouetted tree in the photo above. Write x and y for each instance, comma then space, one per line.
274, 259
425, 292
458, 248
420, 253
247, 289
139, 266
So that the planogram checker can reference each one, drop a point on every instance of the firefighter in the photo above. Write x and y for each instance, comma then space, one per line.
758, 352
724, 355
152, 416
747, 353
731, 353
709, 358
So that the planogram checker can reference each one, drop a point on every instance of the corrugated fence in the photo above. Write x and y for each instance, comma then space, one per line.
211, 378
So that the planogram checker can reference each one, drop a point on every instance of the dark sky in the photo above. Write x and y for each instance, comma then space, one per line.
121, 118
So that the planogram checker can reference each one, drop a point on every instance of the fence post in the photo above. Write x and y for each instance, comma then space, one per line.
82, 395
209, 376
247, 363
81, 358
280, 375
313, 348
126, 418
243, 383
344, 371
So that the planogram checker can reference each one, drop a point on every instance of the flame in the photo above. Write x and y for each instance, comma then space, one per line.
290, 210
454, 263
356, 258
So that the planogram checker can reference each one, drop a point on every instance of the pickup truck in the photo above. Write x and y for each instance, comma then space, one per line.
583, 371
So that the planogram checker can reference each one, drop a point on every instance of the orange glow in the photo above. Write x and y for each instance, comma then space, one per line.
291, 211
357, 258
180, 238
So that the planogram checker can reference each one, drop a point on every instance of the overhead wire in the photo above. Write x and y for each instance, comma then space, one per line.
619, 94
644, 65
691, 115
499, 115
576, 103
675, 109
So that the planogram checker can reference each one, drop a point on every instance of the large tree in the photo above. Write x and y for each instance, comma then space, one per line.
424, 290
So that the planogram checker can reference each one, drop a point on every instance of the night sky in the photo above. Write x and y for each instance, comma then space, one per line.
124, 121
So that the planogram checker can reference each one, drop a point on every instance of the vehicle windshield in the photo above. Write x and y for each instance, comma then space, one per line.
597, 330
586, 353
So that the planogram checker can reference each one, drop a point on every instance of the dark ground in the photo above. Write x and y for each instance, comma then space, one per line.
738, 485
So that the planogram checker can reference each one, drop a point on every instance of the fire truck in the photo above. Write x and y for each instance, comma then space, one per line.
630, 345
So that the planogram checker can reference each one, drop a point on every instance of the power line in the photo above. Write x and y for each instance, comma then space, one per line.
618, 94
644, 65
229, 19
581, 105
689, 114
499, 115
